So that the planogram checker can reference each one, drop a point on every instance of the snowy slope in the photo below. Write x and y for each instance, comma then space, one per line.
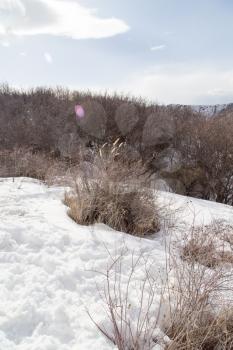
210, 110
47, 264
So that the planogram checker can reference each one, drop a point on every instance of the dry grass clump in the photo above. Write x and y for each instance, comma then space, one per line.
27, 163
199, 318
200, 302
203, 331
195, 311
209, 245
133, 212
111, 196
201, 252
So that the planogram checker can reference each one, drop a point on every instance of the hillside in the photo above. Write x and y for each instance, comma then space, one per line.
41, 132
51, 267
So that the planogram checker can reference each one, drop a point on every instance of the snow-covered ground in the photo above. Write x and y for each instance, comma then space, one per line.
49, 264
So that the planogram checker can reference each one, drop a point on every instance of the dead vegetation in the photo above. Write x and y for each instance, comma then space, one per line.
202, 329
44, 119
114, 195
24, 162
195, 311
200, 300
209, 245
129, 326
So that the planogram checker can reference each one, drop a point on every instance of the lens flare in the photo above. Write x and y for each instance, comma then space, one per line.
79, 111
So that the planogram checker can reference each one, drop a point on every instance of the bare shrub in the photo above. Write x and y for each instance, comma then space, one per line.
206, 146
131, 307
45, 118
200, 302
25, 162
199, 318
59, 173
209, 245
113, 195
194, 310
203, 330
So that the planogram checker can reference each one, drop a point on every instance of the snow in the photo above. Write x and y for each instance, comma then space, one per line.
210, 110
194, 211
49, 265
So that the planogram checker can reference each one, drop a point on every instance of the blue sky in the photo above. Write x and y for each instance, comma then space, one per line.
169, 51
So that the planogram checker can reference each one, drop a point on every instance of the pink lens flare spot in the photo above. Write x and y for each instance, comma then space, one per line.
79, 111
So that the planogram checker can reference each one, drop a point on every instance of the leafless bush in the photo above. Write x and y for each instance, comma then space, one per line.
198, 318
203, 329
131, 307
194, 309
206, 145
45, 118
113, 195
209, 245
200, 301
24, 162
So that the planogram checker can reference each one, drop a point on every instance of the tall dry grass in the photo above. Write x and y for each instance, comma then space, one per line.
200, 298
209, 245
110, 191
24, 162
195, 310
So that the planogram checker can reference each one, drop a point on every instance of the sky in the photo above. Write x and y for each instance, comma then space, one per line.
168, 51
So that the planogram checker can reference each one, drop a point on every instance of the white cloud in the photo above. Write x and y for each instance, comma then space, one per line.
56, 17
5, 43
184, 85
12, 5
48, 58
158, 47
